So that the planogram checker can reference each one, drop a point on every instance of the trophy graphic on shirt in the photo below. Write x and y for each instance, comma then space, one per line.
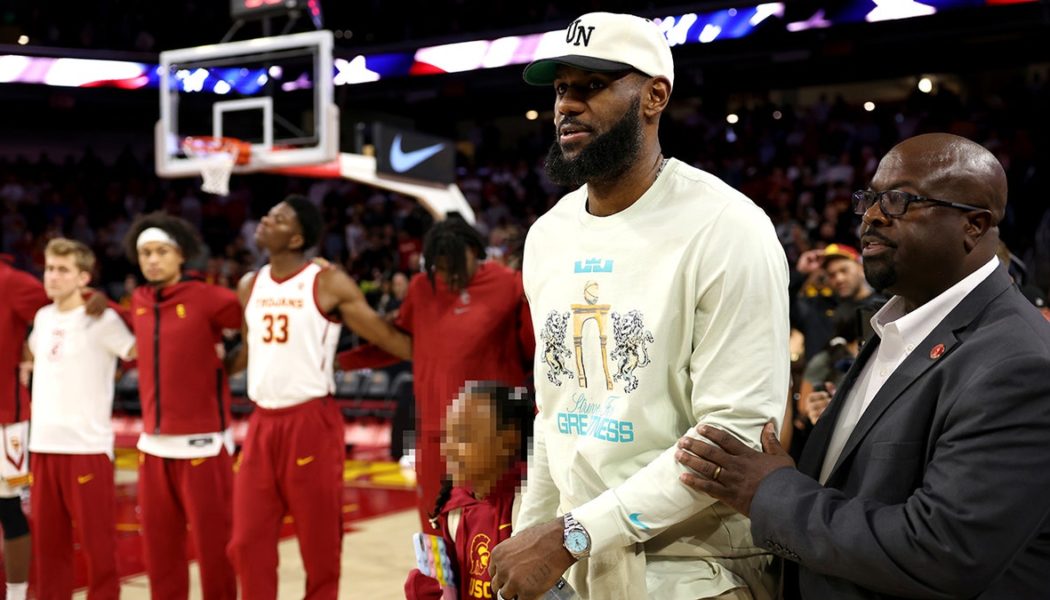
581, 313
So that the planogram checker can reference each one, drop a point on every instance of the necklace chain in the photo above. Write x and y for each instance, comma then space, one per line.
663, 163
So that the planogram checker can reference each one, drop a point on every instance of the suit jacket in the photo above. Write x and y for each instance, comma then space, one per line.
943, 488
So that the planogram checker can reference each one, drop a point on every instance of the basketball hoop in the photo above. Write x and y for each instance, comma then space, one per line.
219, 155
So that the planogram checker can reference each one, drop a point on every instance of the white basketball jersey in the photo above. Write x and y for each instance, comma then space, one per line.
291, 344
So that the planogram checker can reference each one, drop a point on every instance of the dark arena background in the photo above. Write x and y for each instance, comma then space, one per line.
793, 103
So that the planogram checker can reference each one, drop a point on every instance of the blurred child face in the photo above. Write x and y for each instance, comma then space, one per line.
475, 450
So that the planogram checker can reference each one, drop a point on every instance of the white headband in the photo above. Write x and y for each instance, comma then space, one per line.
155, 234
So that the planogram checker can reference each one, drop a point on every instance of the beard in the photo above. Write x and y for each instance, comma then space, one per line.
607, 157
880, 274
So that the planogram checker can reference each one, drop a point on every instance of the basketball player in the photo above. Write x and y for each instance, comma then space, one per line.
71, 434
23, 296
292, 460
469, 320
185, 469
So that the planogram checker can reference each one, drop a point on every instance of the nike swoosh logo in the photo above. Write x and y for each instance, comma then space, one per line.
197, 462
304, 461
504, 526
82, 479
403, 161
637, 521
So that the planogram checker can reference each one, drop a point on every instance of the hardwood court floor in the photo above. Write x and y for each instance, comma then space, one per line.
379, 520
376, 557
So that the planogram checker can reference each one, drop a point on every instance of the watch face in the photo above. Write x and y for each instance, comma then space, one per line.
577, 542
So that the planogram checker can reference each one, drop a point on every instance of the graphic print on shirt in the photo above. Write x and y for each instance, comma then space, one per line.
630, 335
594, 413
478, 585
554, 349
631, 338
54, 353
14, 450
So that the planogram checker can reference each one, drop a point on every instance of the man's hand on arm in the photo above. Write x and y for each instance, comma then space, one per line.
727, 469
527, 565
95, 302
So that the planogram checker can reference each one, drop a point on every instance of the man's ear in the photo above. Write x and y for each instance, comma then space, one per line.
84, 278
977, 226
979, 223
656, 96
296, 242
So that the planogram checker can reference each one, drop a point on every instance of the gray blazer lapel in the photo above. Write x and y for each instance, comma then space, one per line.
923, 357
816, 447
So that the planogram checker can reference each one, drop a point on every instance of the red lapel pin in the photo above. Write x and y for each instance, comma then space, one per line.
937, 351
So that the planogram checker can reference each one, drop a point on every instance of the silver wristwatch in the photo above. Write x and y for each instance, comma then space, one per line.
575, 538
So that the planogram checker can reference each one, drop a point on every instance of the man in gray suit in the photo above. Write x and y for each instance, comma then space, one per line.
929, 474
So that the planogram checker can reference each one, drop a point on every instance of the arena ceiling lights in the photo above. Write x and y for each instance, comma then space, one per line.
692, 28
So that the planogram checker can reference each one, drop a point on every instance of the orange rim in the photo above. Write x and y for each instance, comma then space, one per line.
207, 145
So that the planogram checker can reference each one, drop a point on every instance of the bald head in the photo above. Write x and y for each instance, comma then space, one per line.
940, 238
954, 168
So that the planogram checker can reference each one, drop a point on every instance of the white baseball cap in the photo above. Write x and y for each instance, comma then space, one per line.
605, 42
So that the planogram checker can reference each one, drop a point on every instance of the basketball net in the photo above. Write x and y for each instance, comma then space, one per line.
219, 155
216, 171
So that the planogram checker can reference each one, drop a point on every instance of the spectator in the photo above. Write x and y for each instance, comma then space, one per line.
838, 268
826, 369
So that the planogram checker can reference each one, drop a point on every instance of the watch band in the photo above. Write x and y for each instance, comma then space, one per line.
571, 537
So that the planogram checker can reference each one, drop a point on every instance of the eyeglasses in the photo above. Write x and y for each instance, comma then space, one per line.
894, 203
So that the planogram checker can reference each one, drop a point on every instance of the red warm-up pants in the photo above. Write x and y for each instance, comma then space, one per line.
175, 493
292, 462
74, 492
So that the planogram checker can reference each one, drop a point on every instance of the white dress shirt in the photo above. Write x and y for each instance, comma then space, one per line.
900, 333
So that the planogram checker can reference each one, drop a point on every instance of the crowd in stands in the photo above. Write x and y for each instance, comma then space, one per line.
800, 165
147, 26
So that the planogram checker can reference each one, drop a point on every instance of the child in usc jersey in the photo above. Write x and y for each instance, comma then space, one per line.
485, 441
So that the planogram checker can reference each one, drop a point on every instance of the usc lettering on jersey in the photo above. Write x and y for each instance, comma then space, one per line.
291, 342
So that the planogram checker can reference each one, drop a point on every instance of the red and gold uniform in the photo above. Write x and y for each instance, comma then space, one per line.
471, 528
23, 296
185, 470
292, 460
483, 333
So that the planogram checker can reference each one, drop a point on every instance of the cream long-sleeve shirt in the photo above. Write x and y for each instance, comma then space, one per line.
670, 313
